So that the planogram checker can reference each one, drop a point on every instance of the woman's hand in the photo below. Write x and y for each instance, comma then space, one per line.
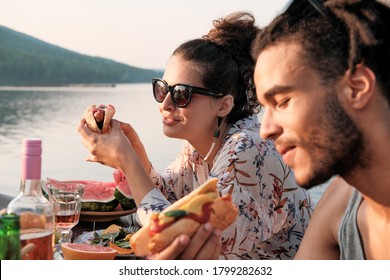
110, 149
114, 149
204, 245
136, 143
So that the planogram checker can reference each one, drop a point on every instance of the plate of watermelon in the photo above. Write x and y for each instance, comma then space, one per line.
106, 201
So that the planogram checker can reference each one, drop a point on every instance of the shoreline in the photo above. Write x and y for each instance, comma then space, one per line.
104, 85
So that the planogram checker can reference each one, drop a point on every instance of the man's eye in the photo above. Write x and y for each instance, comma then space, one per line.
283, 103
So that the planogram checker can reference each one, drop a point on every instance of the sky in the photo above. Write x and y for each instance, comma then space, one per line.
141, 33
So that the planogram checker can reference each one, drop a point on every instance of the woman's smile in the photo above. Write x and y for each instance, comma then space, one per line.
169, 121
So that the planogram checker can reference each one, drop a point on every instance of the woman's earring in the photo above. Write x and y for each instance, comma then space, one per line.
215, 137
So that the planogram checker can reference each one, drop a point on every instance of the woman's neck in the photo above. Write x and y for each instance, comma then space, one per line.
209, 153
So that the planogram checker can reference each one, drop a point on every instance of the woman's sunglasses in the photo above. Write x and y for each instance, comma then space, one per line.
180, 93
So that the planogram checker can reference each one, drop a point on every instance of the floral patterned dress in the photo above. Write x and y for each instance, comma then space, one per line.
273, 211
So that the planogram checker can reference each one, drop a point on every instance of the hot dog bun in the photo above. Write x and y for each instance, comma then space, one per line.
98, 118
220, 211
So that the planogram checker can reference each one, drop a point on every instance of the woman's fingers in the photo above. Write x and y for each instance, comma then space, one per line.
82, 128
89, 139
130, 133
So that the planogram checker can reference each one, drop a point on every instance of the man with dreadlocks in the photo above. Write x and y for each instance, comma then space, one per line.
323, 77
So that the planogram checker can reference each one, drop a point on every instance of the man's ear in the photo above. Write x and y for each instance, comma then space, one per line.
361, 85
226, 105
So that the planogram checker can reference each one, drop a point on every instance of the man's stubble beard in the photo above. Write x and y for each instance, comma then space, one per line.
336, 144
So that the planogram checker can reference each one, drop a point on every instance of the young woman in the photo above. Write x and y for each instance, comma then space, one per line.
207, 98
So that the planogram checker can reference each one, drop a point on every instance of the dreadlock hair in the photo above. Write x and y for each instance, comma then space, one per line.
223, 61
351, 32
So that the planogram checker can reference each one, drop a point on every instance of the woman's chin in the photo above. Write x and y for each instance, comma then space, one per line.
168, 132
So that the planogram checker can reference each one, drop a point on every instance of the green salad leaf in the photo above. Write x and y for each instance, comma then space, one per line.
118, 238
176, 213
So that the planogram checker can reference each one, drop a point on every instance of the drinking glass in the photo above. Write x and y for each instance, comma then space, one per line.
66, 198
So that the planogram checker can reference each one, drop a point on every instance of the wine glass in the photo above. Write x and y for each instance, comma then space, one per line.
66, 198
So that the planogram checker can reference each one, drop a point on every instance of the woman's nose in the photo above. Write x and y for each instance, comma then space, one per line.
167, 103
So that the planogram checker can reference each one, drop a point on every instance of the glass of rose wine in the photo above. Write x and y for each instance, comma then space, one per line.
66, 198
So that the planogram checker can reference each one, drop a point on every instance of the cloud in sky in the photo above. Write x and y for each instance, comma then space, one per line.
140, 33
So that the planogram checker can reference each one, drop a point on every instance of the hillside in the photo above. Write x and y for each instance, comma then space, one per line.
27, 61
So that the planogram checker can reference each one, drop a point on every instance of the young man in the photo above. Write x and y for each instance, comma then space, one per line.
323, 76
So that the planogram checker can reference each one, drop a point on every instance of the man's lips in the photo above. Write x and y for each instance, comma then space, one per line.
286, 152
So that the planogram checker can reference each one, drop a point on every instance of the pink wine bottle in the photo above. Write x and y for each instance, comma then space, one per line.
35, 211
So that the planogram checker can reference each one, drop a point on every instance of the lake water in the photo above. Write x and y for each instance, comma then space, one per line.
52, 114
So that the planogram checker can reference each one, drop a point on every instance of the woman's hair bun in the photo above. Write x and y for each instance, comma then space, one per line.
234, 33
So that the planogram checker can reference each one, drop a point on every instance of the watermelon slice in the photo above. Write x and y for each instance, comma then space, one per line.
123, 192
98, 196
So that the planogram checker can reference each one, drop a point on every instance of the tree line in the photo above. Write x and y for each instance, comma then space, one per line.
27, 61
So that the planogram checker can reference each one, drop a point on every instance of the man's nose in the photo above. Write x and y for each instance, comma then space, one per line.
269, 129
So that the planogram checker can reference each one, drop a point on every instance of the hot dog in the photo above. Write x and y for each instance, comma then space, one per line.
98, 118
185, 216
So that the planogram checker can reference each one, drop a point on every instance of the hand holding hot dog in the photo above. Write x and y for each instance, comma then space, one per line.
116, 145
185, 216
98, 119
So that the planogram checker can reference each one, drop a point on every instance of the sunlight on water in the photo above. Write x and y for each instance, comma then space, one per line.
52, 114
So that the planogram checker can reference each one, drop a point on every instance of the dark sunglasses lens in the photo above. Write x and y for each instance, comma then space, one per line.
181, 95
159, 91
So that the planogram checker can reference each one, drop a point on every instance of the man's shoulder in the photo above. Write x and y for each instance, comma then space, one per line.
335, 198
322, 232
